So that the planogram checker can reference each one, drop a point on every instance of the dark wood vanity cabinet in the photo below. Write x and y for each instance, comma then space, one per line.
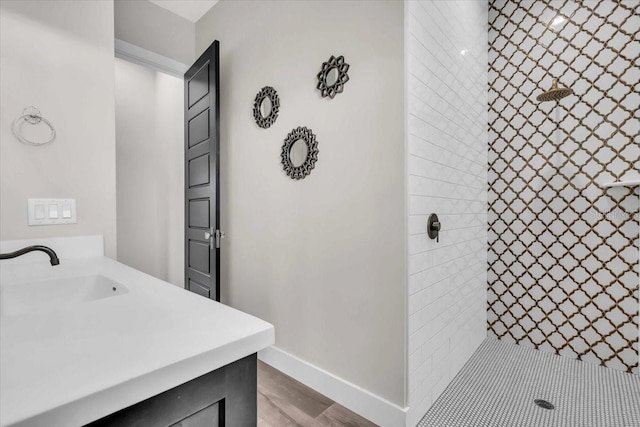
224, 397
208, 417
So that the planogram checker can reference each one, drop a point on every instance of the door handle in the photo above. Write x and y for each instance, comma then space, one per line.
219, 235
209, 235
214, 237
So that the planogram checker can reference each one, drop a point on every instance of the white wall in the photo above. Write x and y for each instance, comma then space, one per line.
150, 171
154, 28
58, 56
447, 175
321, 258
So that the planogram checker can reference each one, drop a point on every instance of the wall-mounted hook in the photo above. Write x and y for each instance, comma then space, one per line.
434, 227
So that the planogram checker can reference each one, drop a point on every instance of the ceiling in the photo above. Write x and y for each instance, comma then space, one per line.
188, 9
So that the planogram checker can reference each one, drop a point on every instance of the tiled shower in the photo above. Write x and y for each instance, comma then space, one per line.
447, 175
534, 250
563, 250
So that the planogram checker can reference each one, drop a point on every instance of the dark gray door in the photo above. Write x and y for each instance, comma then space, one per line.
202, 148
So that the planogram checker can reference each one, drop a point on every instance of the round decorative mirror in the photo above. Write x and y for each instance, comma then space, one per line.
266, 107
333, 76
299, 152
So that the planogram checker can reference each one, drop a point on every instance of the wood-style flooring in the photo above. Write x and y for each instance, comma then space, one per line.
285, 402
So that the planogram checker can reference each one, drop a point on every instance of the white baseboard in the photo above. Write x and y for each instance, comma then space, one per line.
354, 398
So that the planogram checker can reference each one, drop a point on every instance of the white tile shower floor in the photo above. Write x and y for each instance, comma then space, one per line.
498, 385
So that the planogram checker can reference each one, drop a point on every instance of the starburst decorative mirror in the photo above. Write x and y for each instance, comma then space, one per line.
333, 76
299, 152
266, 106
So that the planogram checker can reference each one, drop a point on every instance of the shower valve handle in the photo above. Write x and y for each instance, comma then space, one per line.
433, 227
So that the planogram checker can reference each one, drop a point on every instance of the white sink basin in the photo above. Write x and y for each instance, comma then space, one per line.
48, 295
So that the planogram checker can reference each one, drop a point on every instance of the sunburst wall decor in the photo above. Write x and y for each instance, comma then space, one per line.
269, 93
301, 133
333, 76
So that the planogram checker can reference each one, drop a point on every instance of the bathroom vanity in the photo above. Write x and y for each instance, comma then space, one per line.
92, 341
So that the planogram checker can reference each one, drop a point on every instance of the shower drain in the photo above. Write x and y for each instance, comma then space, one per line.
544, 404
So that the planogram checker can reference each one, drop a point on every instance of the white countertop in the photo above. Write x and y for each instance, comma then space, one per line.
72, 366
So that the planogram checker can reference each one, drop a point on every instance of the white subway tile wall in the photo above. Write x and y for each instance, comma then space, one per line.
447, 175
563, 250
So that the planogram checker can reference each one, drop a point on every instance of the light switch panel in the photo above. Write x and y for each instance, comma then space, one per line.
66, 210
39, 211
51, 211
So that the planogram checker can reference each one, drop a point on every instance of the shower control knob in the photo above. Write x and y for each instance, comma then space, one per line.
433, 227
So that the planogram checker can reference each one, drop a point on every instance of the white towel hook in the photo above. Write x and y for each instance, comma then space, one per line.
32, 116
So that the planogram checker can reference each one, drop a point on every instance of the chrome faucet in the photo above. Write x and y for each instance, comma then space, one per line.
53, 257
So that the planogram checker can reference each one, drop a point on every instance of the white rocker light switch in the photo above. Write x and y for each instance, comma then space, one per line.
51, 211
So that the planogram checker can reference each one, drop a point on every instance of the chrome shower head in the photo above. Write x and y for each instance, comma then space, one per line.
555, 93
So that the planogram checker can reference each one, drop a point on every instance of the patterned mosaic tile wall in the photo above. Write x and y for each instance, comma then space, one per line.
563, 250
